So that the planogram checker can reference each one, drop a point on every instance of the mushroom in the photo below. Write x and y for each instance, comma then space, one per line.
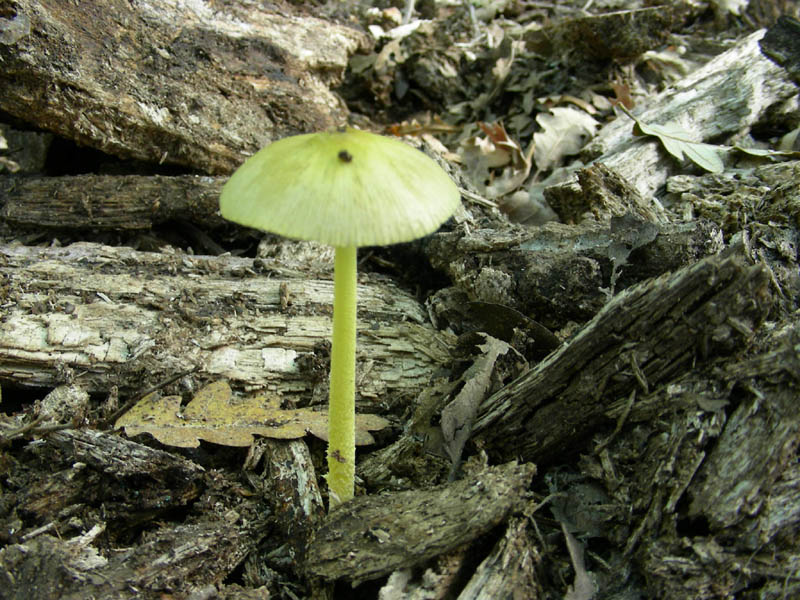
346, 188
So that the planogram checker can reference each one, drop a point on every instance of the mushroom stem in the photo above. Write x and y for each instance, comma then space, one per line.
341, 419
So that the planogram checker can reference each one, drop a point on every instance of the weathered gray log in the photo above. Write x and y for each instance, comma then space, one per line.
115, 316
372, 536
103, 202
643, 338
725, 96
185, 83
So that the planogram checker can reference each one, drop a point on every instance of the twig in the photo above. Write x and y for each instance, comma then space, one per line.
109, 421
8, 436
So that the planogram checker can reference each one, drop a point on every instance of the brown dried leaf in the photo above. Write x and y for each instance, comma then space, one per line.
458, 415
214, 415
484, 155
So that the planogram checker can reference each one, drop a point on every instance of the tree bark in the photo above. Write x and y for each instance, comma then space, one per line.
190, 84
372, 536
643, 338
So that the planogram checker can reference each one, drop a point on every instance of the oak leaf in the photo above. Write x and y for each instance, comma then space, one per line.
216, 416
565, 131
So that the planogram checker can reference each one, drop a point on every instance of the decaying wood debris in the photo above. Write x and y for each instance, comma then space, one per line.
97, 480
603, 406
105, 202
375, 535
531, 272
108, 316
172, 82
642, 338
723, 97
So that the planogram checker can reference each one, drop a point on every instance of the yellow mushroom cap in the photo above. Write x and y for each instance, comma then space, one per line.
343, 188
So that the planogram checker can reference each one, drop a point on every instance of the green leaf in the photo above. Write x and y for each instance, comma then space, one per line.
679, 144
768, 153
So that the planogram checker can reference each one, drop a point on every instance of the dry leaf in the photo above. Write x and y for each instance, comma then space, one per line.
670, 63
458, 415
791, 141
730, 6
565, 130
768, 153
499, 137
494, 150
421, 126
558, 99
216, 416
583, 587
677, 142
483, 156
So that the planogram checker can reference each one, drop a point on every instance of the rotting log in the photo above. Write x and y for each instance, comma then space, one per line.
644, 337
194, 84
558, 273
108, 316
105, 202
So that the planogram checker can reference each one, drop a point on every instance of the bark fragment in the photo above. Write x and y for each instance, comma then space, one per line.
558, 273
372, 536
105, 202
723, 97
